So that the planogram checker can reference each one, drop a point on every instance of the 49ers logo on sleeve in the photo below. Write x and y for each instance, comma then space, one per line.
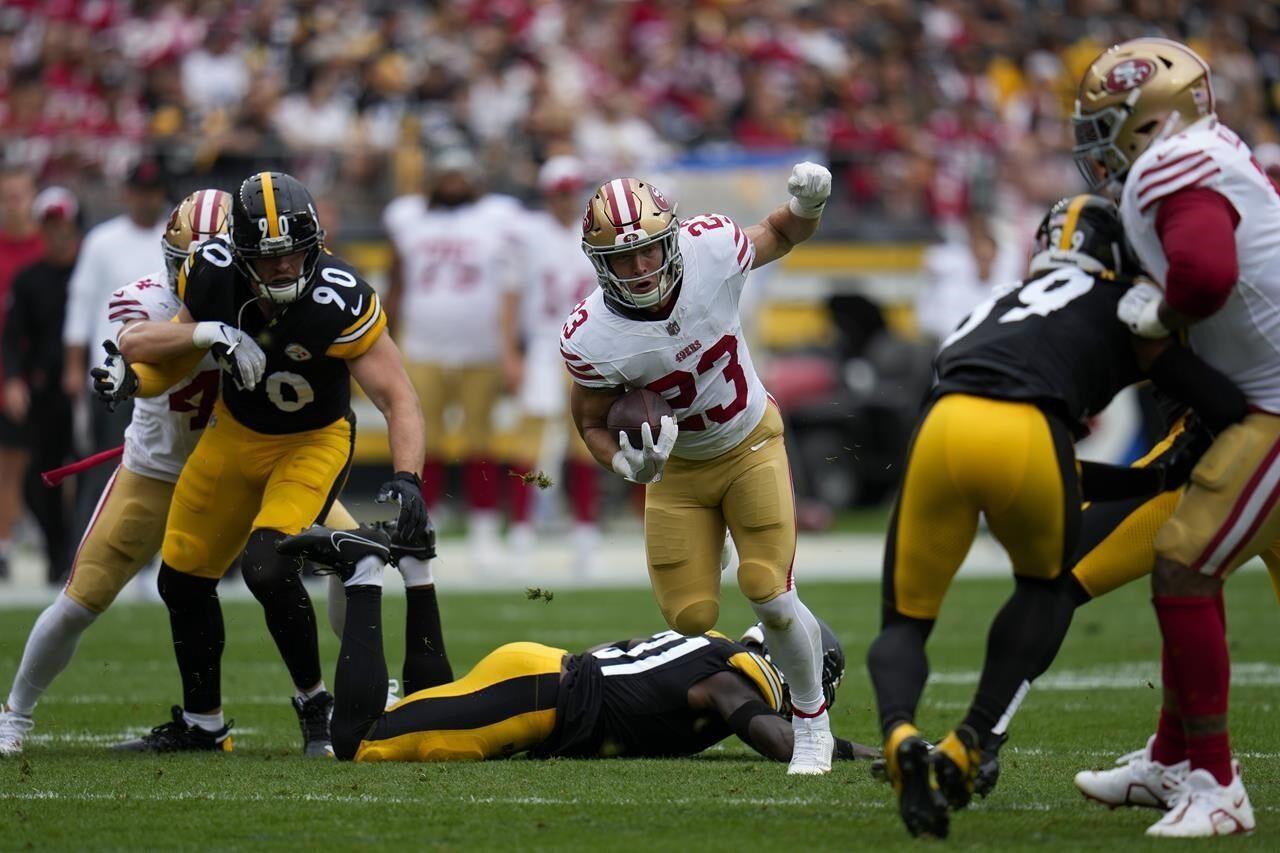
1129, 74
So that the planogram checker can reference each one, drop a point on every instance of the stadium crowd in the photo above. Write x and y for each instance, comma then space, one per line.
926, 110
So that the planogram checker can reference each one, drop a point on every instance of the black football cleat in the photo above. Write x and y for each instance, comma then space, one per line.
177, 736
989, 768
422, 546
955, 762
920, 803
313, 717
336, 551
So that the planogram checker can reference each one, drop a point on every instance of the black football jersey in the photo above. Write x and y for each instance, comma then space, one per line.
306, 384
1053, 341
620, 701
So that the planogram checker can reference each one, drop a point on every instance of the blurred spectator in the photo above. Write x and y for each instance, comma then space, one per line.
215, 76
21, 244
34, 398
114, 254
453, 271
961, 275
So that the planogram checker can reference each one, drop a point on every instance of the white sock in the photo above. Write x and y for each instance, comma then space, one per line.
368, 572
304, 695
337, 605
209, 722
49, 649
795, 644
417, 572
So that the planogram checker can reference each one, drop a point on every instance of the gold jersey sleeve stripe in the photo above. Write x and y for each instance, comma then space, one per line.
354, 330
360, 344
762, 675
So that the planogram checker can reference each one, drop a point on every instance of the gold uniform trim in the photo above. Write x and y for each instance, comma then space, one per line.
1073, 219
269, 198
358, 338
762, 675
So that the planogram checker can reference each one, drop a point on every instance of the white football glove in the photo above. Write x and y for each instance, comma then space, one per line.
1139, 309
236, 353
645, 464
810, 186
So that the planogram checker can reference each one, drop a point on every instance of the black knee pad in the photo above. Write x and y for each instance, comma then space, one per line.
180, 591
263, 568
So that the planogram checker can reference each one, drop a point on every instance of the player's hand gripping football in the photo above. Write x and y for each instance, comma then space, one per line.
810, 186
406, 489
236, 352
1139, 309
645, 463
114, 380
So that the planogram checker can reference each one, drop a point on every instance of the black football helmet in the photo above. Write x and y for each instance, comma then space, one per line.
1084, 231
273, 214
832, 656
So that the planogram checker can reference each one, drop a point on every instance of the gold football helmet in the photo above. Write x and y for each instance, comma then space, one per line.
1134, 94
199, 216
627, 215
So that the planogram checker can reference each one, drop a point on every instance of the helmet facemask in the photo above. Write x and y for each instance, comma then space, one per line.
624, 216
667, 274
283, 292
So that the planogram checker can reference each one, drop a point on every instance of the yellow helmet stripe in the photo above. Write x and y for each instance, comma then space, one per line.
1073, 217
269, 198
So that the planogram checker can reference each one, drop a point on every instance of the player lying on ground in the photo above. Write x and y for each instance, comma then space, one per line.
1016, 382
665, 318
295, 325
1203, 218
665, 695
128, 525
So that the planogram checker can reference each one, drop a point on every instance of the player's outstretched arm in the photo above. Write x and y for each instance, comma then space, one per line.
739, 704
381, 375
795, 221
156, 341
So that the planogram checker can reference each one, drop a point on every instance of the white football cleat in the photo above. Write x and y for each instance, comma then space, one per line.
13, 728
812, 746
1139, 780
1202, 808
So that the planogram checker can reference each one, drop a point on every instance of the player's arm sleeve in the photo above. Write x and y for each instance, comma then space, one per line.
1101, 482
155, 379
595, 374
1185, 377
355, 339
1196, 227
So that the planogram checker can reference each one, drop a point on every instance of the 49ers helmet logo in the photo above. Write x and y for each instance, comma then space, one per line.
659, 199
1129, 74
588, 221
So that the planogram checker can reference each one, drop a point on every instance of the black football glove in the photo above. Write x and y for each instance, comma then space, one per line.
114, 380
406, 489
1182, 456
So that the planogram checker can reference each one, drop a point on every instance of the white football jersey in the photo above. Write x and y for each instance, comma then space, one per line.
1243, 338
164, 430
696, 358
556, 275
456, 264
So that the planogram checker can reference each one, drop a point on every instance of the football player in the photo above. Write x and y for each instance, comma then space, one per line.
664, 695
1204, 219
1016, 382
128, 524
451, 271
559, 276
665, 317
291, 325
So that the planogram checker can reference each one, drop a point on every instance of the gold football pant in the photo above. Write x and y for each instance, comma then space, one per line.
475, 388
237, 480
1230, 511
504, 705
973, 455
685, 515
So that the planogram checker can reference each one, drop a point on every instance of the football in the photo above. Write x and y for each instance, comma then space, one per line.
634, 408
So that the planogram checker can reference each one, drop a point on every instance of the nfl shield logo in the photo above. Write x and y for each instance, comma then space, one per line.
673, 328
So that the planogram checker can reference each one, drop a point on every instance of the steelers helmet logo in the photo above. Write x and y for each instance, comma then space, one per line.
1129, 74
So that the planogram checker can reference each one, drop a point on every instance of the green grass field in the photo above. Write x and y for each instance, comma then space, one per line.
1097, 702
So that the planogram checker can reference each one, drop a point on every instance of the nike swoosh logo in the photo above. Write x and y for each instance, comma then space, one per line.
756, 447
359, 305
340, 538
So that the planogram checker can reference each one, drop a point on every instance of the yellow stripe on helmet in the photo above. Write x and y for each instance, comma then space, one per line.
269, 198
1073, 217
